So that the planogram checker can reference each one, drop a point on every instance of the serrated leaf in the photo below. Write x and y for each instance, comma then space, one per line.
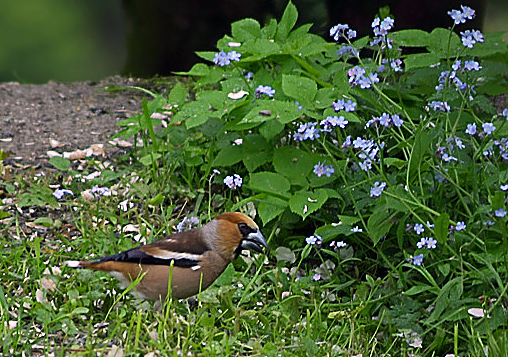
411, 38
304, 203
301, 89
245, 30
177, 95
287, 22
419, 60
193, 114
271, 207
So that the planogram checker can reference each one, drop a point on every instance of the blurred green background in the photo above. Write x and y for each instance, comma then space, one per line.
71, 40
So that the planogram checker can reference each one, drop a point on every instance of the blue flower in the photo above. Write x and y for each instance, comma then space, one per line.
234, 56
339, 30
457, 16
488, 128
504, 187
471, 129
378, 189
341, 122
221, 59
430, 243
316, 277
397, 121
59, 193
467, 12
438, 105
233, 181
322, 169
338, 105
350, 106
267, 90
419, 228
418, 260
356, 230
447, 158
422, 243
312, 240
500, 212
472, 66
460, 226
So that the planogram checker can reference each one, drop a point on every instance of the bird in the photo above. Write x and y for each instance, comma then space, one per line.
196, 258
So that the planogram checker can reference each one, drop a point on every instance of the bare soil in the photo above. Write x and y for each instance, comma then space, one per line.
76, 115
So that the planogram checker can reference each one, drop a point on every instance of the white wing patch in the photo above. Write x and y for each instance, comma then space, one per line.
166, 254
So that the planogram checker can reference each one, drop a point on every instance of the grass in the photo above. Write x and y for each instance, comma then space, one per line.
263, 114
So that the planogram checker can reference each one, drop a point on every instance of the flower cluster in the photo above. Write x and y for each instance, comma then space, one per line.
438, 105
224, 59
341, 30
187, 223
381, 28
341, 104
452, 77
367, 151
460, 17
427, 243
266, 90
378, 189
358, 76
321, 169
307, 131
386, 120
233, 181
333, 121
470, 37
314, 240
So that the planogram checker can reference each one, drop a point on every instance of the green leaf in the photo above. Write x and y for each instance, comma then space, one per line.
147, 160
393, 161
60, 163
229, 156
287, 22
419, 60
304, 203
199, 69
193, 114
420, 147
411, 38
177, 95
418, 289
444, 41
269, 182
246, 29
293, 163
301, 89
271, 207
379, 223
441, 226
44, 221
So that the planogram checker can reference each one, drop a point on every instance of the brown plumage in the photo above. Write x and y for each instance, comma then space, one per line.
197, 257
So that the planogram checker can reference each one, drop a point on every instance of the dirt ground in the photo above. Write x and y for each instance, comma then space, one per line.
35, 119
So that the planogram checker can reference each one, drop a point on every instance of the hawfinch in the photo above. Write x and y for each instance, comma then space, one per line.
197, 256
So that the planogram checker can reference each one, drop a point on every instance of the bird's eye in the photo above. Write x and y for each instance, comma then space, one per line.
242, 226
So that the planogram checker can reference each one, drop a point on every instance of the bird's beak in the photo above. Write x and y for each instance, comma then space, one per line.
255, 241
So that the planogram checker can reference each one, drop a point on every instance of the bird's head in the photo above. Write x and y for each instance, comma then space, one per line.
237, 231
